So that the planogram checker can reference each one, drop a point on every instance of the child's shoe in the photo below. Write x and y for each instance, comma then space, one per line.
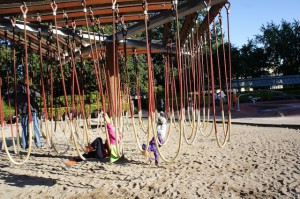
150, 160
70, 162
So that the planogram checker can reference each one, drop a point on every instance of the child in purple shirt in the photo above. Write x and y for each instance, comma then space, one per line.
161, 132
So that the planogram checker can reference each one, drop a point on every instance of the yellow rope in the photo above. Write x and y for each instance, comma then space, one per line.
30, 127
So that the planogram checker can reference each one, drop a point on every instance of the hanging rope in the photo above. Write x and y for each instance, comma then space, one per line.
213, 82
228, 92
24, 10
16, 148
54, 9
175, 4
98, 76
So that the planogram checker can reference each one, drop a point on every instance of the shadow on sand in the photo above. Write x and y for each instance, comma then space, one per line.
23, 180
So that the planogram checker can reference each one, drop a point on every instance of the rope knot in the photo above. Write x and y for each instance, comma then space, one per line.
227, 6
83, 3
13, 21
207, 5
39, 18
113, 4
74, 25
54, 7
145, 7
24, 10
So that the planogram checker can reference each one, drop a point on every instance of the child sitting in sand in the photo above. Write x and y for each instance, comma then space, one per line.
161, 132
99, 150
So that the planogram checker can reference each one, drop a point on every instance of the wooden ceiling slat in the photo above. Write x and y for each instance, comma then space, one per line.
15, 3
108, 12
70, 5
104, 20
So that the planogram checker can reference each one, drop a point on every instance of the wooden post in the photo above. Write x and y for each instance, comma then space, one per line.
111, 78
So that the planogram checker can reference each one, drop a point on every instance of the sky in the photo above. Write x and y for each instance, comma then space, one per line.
248, 16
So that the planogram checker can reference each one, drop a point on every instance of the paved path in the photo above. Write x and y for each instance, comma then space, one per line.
277, 113
285, 113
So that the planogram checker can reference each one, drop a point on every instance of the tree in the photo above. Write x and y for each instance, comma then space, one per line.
281, 46
253, 61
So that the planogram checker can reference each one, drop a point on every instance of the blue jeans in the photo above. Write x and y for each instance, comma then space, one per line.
24, 123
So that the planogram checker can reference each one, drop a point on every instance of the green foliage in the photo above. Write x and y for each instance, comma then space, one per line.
253, 61
275, 51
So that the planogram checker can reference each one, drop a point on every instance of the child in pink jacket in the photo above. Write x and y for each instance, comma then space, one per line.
99, 150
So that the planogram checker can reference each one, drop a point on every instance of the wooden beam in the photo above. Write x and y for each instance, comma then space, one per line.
104, 20
13, 7
166, 33
105, 12
213, 12
166, 16
186, 28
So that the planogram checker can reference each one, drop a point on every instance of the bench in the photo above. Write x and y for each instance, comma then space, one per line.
255, 99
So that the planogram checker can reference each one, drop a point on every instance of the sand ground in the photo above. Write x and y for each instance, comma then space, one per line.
258, 162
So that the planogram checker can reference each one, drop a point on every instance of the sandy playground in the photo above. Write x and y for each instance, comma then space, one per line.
258, 162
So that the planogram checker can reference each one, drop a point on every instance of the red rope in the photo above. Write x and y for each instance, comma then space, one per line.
24, 10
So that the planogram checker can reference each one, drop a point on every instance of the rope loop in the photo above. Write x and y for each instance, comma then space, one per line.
145, 7
113, 7
73, 25
227, 6
117, 9
214, 26
201, 41
65, 15
92, 18
220, 18
39, 18
54, 7
24, 10
83, 2
13, 21
50, 30
124, 27
220, 13
173, 12
135, 54
135, 60
175, 4
91, 13
98, 22
74, 46
80, 34
117, 13
207, 5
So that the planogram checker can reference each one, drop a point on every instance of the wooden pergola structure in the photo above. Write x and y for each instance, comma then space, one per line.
78, 19
130, 12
